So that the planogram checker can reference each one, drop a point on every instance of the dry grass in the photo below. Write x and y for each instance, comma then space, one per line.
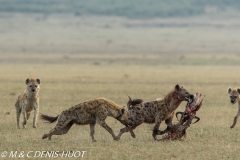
64, 85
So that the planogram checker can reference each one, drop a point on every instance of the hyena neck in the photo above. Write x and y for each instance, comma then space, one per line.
31, 95
172, 101
174, 105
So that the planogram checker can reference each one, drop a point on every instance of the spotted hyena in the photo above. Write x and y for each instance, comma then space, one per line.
28, 101
155, 111
88, 112
234, 97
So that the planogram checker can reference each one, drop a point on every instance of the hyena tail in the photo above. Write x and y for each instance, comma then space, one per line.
133, 102
50, 119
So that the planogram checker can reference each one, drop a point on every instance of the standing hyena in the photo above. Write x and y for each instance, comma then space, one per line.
234, 97
27, 101
88, 112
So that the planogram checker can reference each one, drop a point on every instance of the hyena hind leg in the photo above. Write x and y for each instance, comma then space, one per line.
92, 131
59, 129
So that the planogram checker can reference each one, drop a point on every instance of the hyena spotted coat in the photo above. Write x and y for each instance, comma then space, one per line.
88, 112
234, 95
28, 101
155, 111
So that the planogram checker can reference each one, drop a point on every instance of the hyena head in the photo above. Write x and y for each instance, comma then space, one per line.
124, 115
33, 85
182, 93
234, 94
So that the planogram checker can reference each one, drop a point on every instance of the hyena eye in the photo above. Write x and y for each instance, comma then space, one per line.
36, 86
233, 96
30, 86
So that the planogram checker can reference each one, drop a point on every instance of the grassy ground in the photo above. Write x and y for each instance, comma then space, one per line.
65, 82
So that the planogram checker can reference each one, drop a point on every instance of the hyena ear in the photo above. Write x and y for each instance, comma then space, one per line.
229, 90
238, 90
38, 80
122, 110
177, 88
27, 80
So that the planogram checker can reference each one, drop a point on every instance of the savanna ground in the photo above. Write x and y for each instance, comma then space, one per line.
68, 78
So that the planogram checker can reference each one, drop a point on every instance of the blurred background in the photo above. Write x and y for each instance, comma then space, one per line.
164, 27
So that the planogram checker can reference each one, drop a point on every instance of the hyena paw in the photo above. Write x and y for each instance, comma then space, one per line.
116, 138
34, 126
159, 132
133, 135
232, 126
44, 136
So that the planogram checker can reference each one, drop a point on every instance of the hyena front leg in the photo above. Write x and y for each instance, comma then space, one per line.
168, 122
102, 123
127, 129
18, 112
28, 115
24, 118
155, 132
235, 118
92, 131
35, 117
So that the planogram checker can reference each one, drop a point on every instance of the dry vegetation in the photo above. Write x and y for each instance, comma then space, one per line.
69, 78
